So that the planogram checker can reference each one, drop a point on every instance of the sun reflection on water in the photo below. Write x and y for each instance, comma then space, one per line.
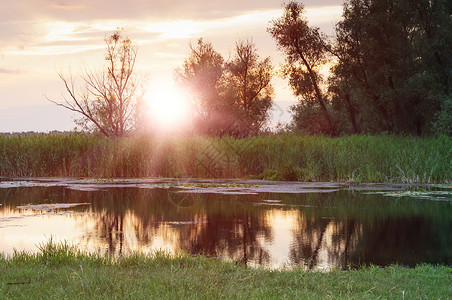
246, 229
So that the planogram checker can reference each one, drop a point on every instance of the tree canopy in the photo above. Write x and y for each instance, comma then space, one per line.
248, 78
391, 65
201, 74
237, 93
305, 54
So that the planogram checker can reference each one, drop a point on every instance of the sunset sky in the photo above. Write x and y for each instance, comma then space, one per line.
40, 37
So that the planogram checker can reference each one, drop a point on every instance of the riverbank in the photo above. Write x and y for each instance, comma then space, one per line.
275, 157
60, 271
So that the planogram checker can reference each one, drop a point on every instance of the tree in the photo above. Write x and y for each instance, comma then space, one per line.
249, 78
201, 74
109, 102
370, 47
232, 97
305, 51
434, 43
394, 62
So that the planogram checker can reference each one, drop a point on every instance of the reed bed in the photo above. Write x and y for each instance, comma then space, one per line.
363, 158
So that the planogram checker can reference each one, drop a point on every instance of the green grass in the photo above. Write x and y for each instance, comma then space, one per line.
58, 271
285, 157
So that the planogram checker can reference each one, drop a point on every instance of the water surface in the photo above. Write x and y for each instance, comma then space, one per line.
316, 226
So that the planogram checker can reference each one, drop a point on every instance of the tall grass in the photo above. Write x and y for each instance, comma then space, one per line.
285, 157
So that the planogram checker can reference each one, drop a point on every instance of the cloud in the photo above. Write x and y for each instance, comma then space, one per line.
33, 24
157, 10
55, 50
65, 5
183, 29
10, 71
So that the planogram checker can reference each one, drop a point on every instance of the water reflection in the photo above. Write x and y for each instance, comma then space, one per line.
312, 230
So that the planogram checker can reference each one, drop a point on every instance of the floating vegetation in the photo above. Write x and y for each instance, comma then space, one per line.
419, 194
83, 188
215, 186
49, 207
212, 185
21, 183
186, 222
272, 201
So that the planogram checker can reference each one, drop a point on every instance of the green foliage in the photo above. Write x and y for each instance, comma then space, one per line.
142, 276
201, 75
443, 124
384, 79
248, 79
305, 51
277, 157
391, 68
232, 95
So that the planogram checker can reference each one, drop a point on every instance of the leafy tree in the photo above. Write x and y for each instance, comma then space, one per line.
351, 90
249, 78
201, 74
391, 73
432, 38
433, 42
343, 103
109, 101
394, 61
443, 123
305, 51
375, 54
230, 98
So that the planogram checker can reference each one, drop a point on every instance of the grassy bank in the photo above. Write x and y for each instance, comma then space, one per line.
59, 271
286, 157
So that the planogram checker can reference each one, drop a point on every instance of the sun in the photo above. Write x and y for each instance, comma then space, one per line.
169, 107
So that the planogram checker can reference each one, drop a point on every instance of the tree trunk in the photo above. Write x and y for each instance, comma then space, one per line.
351, 113
318, 93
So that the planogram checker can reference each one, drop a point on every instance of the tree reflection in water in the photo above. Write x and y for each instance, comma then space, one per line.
316, 230
324, 242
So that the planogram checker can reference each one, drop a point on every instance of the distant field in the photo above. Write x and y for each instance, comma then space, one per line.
283, 157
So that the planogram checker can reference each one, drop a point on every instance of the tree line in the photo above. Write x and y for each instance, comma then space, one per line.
389, 63
391, 66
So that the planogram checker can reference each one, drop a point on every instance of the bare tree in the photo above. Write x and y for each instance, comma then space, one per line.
109, 101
